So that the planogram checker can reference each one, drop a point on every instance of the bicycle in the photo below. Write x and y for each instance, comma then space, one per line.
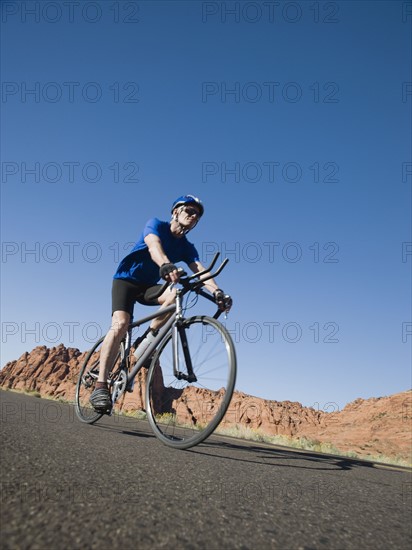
192, 372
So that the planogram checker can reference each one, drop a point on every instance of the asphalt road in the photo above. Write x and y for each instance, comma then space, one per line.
65, 484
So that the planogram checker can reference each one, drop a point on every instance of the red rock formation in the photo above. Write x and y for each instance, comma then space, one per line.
381, 425
368, 427
50, 371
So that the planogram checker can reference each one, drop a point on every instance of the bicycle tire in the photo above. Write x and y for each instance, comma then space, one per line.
87, 380
182, 414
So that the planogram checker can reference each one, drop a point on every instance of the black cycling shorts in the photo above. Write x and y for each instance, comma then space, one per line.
125, 294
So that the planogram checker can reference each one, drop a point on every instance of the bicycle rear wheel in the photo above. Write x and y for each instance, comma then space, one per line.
183, 413
86, 382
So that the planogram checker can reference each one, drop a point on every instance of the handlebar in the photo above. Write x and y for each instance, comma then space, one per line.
196, 285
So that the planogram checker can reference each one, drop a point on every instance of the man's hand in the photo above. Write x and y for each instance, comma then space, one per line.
169, 272
223, 301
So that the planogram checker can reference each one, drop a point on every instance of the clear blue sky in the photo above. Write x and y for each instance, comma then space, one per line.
292, 122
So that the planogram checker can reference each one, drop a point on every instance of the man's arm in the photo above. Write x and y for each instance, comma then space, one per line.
223, 301
158, 255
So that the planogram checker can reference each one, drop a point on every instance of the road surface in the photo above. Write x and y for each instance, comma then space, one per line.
66, 484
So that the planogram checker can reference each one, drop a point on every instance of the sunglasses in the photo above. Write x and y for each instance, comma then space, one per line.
192, 211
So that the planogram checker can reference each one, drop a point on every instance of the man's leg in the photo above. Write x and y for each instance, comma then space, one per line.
111, 343
166, 299
100, 398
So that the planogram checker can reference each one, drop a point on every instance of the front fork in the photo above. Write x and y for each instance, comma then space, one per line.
179, 333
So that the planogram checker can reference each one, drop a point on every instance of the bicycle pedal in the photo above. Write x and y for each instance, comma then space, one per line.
103, 411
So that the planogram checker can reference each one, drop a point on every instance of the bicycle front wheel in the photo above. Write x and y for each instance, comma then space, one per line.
181, 412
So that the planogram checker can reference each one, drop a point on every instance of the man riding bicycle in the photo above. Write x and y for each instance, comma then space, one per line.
160, 246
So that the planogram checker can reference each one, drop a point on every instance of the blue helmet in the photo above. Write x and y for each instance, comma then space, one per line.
189, 199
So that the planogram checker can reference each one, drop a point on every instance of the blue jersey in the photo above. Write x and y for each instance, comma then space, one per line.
138, 266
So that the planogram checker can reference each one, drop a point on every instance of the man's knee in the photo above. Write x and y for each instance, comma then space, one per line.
120, 322
168, 298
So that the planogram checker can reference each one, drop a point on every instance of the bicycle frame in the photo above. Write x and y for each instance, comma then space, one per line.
161, 334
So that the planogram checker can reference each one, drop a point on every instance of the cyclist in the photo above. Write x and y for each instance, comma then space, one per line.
160, 246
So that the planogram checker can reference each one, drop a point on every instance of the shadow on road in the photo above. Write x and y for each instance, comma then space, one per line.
274, 456
222, 447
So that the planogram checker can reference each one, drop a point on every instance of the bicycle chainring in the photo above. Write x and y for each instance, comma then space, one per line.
118, 384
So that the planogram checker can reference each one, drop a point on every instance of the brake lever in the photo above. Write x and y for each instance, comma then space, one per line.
182, 273
224, 311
